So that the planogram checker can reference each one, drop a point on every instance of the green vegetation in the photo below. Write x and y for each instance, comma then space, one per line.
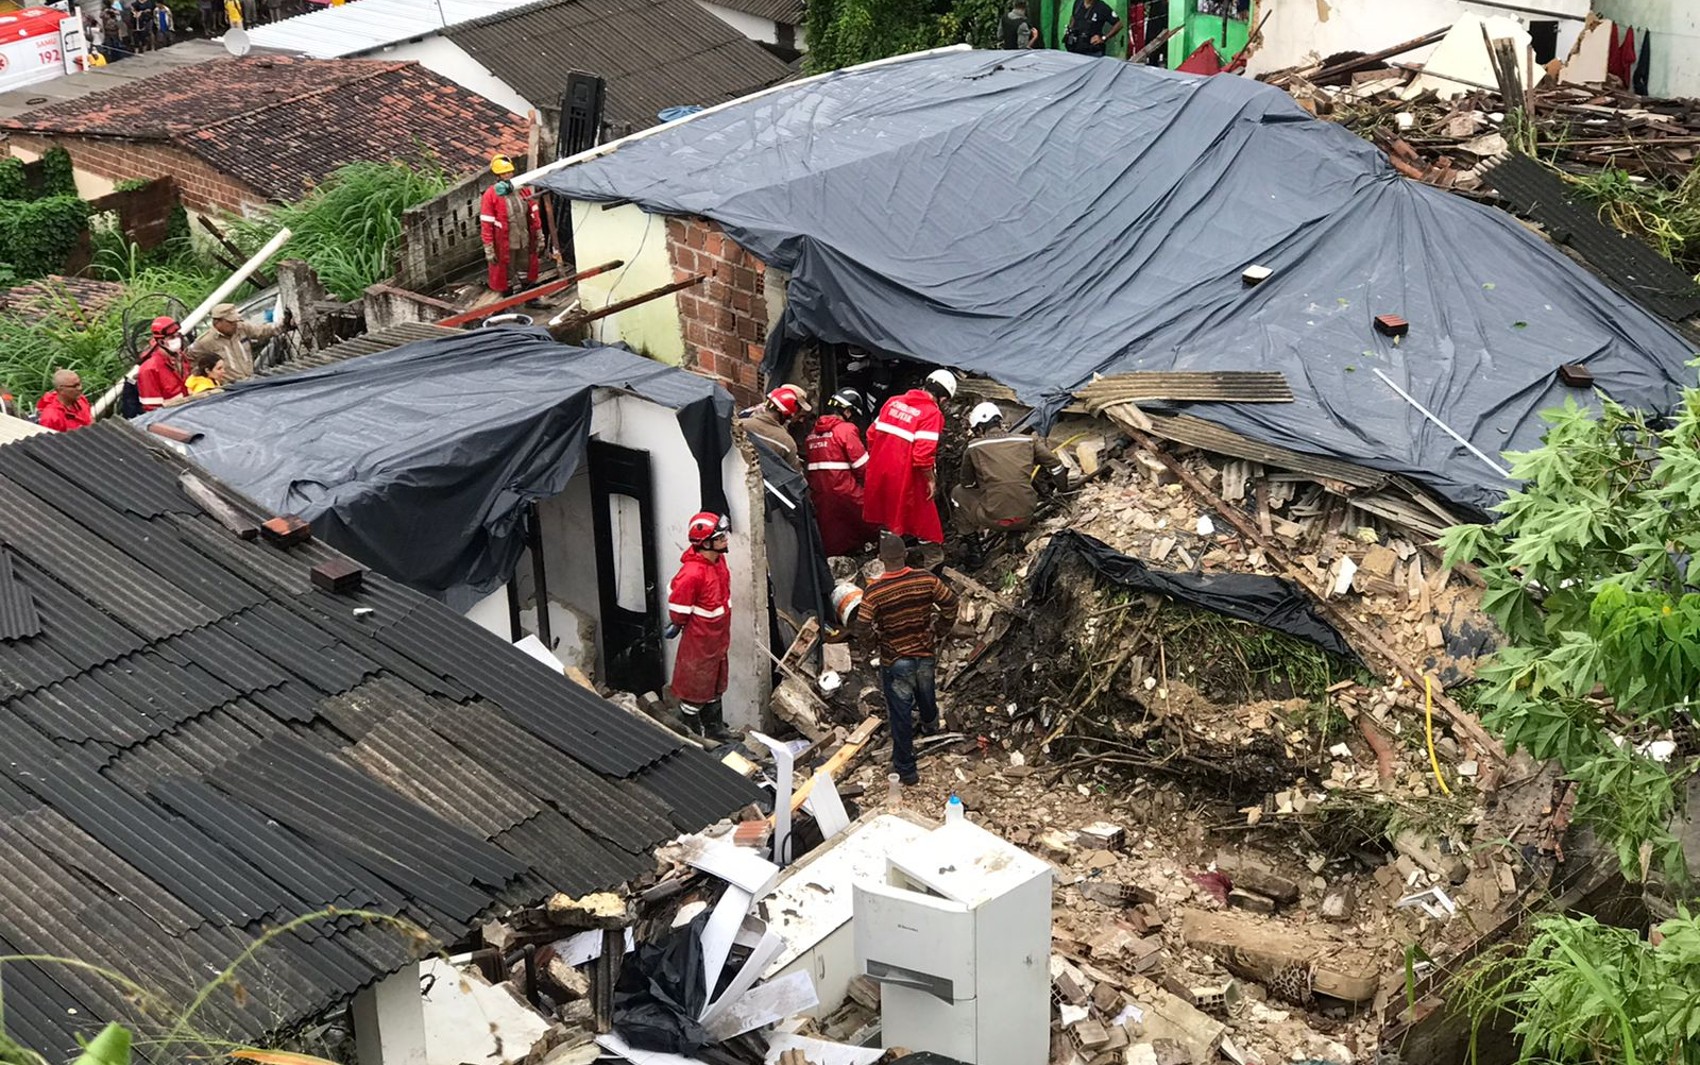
1668, 218
347, 228
1583, 993
843, 33
39, 228
1587, 574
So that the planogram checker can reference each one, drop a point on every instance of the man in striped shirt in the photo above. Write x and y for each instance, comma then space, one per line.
904, 612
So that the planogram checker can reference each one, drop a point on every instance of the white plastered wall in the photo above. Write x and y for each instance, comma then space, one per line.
1301, 31
639, 241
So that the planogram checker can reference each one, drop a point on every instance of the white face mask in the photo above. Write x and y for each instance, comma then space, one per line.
173, 344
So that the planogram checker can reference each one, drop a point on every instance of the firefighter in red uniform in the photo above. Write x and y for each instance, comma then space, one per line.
836, 459
699, 606
903, 446
160, 379
500, 207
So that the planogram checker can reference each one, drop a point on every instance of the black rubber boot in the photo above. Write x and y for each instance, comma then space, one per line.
714, 723
692, 718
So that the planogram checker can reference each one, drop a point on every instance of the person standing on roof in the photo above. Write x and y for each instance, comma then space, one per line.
1091, 27
232, 338
995, 492
903, 614
836, 460
903, 447
159, 383
772, 420
64, 407
699, 612
499, 211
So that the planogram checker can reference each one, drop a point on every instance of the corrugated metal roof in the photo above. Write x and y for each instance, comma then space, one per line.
199, 744
1624, 262
368, 344
356, 29
14, 429
18, 618
789, 12
698, 60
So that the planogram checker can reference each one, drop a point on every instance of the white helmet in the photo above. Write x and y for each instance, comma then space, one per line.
945, 380
983, 413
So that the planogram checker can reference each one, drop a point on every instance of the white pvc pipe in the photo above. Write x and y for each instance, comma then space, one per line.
602, 149
1447, 429
193, 318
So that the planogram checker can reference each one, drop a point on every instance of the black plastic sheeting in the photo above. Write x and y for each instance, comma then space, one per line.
1267, 601
796, 559
1040, 217
421, 460
662, 990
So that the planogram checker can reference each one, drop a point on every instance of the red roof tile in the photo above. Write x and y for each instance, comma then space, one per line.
54, 293
281, 124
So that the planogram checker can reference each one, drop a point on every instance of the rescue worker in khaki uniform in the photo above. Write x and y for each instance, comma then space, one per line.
232, 339
995, 492
772, 420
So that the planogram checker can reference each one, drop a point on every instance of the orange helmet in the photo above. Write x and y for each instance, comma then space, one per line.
704, 527
788, 399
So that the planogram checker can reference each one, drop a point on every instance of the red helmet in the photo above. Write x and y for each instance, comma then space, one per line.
788, 399
704, 527
166, 326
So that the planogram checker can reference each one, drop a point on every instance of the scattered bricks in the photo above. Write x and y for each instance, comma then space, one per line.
1116, 893
752, 834
1070, 984
286, 531
337, 575
1118, 1040
1251, 901
1090, 1035
1086, 454
1154, 468
1254, 874
1171, 1052
1434, 636
1146, 955
1148, 916
1117, 941
1576, 375
1107, 999
1391, 325
1255, 275
1142, 1054
1105, 835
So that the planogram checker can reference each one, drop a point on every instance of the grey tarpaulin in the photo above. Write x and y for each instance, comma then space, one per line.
419, 461
1038, 217
1267, 601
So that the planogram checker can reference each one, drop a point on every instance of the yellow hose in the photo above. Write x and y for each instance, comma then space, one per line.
1428, 729
1035, 474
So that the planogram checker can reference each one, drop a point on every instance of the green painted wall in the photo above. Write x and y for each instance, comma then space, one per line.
1054, 16
1229, 34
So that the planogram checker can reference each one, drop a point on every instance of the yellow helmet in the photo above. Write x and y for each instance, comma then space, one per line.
501, 165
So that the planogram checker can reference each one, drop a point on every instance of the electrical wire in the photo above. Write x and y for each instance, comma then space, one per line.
1428, 729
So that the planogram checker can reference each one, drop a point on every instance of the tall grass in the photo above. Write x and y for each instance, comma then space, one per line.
58, 333
347, 228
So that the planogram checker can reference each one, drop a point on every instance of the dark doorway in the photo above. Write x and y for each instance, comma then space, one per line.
621, 495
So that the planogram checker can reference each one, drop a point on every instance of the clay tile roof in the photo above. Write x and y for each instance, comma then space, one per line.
53, 294
282, 124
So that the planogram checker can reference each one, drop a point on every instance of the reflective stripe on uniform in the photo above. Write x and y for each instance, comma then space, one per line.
926, 435
830, 466
1000, 440
687, 608
859, 463
901, 434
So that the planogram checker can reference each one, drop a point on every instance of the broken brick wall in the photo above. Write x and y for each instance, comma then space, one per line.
725, 319
111, 159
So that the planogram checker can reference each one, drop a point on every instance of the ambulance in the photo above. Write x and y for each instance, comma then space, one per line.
40, 43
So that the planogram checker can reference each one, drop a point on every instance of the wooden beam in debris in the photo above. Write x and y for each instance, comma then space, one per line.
573, 322
1227, 386
1360, 635
510, 302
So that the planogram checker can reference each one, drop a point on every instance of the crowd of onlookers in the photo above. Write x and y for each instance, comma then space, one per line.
129, 27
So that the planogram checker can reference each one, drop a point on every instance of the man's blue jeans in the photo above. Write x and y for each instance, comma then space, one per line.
908, 684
